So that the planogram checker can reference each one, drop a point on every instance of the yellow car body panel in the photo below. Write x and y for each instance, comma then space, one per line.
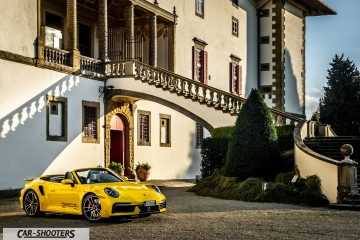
68, 198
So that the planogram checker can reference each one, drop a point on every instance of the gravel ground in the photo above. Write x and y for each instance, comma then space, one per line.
194, 217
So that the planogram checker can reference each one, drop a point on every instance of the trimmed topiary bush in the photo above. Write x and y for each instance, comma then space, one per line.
249, 190
253, 148
222, 132
213, 153
280, 193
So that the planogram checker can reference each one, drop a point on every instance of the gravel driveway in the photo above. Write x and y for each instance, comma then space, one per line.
194, 217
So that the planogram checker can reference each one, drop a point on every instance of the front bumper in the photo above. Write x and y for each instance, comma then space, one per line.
113, 209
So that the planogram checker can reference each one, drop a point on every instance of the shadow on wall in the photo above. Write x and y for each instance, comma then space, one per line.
251, 41
291, 96
25, 152
194, 155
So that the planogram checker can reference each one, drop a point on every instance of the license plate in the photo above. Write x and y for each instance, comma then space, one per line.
149, 203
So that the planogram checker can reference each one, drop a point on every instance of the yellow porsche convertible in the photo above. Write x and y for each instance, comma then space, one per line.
94, 193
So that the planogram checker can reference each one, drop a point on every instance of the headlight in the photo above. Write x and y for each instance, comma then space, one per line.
111, 192
156, 188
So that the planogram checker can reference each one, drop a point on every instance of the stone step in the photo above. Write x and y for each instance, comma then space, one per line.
342, 206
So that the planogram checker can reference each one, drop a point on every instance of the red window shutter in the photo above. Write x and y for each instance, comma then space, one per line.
194, 66
232, 77
205, 64
239, 78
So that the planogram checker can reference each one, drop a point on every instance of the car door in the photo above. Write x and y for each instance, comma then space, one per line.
64, 197
67, 198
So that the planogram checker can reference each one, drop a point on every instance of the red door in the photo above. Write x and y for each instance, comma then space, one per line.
117, 146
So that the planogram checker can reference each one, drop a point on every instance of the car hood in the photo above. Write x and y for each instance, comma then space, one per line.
132, 191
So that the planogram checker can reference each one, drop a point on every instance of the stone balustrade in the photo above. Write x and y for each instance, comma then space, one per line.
90, 65
188, 88
57, 56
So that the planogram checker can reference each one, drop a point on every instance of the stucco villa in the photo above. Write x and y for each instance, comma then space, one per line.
87, 82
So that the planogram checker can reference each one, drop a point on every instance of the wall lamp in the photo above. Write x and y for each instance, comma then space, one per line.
105, 90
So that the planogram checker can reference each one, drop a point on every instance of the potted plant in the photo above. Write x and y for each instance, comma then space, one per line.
117, 168
143, 171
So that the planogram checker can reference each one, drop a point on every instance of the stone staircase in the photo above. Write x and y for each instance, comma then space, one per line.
330, 147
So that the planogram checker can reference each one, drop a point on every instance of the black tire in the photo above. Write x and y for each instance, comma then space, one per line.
91, 208
31, 204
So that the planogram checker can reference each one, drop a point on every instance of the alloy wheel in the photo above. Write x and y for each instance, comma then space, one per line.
31, 203
91, 208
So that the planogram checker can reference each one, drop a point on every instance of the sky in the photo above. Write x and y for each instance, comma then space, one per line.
325, 37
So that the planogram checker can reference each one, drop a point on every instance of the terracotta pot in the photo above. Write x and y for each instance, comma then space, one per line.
142, 174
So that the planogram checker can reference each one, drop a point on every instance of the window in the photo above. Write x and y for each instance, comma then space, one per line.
199, 8
235, 75
264, 67
165, 130
199, 135
90, 123
56, 119
266, 89
235, 26
84, 40
53, 30
264, 40
144, 125
200, 61
264, 13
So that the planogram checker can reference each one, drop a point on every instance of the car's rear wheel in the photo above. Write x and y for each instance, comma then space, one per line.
31, 204
91, 208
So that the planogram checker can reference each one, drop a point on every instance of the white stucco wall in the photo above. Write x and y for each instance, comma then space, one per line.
25, 152
181, 160
215, 29
18, 26
294, 39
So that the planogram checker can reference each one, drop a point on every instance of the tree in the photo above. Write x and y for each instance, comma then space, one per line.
253, 148
340, 105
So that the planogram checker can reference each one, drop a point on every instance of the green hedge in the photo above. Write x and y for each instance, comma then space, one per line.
222, 132
304, 191
285, 137
213, 153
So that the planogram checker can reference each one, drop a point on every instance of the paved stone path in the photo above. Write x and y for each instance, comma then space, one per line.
194, 217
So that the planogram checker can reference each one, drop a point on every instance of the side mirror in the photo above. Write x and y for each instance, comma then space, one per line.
125, 178
67, 181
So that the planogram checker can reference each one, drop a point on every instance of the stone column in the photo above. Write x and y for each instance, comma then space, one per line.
153, 40
40, 34
103, 30
130, 32
71, 37
347, 186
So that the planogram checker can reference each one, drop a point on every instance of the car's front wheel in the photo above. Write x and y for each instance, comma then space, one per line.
31, 204
91, 208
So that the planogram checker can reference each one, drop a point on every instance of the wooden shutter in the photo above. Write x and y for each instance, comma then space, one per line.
205, 67
194, 66
239, 79
232, 77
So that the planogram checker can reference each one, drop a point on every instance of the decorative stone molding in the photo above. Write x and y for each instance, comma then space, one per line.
194, 90
126, 111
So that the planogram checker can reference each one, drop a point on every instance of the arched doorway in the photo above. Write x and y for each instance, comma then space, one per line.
119, 140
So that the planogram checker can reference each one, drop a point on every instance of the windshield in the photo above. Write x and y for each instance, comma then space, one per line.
89, 176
